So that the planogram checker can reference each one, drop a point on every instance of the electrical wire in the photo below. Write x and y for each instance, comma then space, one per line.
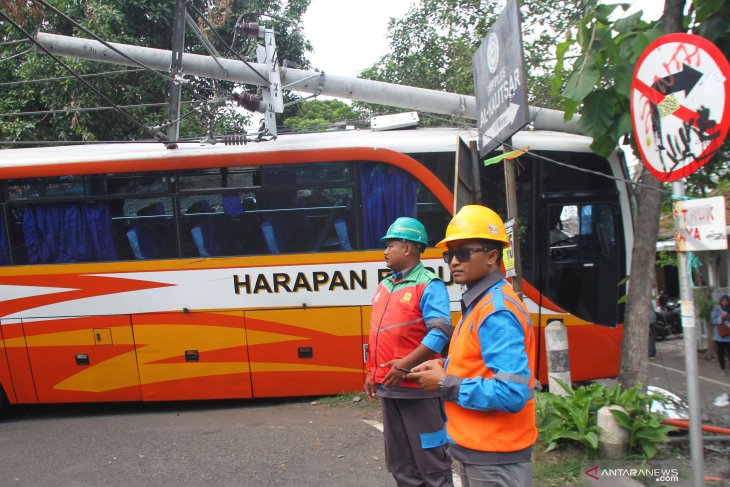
61, 78
99, 39
590, 171
570, 166
210, 26
16, 55
7, 43
206, 43
99, 109
76, 142
65, 66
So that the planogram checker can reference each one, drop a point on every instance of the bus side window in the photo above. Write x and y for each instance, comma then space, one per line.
149, 228
306, 207
243, 224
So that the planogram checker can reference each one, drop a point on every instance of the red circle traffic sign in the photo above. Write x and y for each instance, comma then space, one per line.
680, 104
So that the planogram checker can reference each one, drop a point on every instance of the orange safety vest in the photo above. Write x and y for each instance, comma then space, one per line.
493, 431
396, 323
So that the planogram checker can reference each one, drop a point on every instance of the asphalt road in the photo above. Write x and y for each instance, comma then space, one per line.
668, 371
246, 443
222, 443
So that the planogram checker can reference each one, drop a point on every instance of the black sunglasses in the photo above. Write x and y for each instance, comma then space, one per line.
463, 253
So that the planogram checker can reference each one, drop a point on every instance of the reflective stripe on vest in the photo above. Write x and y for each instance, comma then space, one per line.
496, 431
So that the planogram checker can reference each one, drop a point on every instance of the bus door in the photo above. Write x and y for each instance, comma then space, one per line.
17, 380
83, 359
581, 265
192, 355
307, 351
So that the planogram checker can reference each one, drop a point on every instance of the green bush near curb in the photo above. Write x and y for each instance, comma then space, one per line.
572, 419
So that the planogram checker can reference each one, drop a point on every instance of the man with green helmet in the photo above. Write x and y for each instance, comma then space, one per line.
410, 323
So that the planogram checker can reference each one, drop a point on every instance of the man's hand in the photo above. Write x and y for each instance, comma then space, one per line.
428, 374
369, 389
395, 375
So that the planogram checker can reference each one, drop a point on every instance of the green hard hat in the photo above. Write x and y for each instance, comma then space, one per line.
408, 229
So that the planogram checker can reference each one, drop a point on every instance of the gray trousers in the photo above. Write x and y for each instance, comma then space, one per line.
411, 465
510, 475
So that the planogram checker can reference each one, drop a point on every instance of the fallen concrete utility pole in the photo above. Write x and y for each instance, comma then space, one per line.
306, 81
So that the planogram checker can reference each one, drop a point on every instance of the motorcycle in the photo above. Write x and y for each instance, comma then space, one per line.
669, 317
658, 330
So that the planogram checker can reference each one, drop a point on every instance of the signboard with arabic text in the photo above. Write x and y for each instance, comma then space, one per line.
499, 81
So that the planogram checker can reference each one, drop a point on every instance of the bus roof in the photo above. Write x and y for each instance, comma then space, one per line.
405, 141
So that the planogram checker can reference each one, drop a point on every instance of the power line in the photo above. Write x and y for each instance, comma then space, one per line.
99, 109
589, 171
7, 43
89, 85
16, 55
569, 166
210, 26
76, 142
61, 78
87, 31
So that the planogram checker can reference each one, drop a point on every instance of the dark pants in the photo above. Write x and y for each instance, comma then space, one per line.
509, 475
410, 464
723, 350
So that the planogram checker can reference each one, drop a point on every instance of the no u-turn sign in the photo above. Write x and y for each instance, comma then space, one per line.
680, 104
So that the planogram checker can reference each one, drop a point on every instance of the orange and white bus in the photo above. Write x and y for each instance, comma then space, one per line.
130, 272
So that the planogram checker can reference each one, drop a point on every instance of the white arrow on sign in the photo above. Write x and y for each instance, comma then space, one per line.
504, 120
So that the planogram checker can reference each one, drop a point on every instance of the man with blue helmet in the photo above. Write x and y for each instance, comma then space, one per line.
410, 323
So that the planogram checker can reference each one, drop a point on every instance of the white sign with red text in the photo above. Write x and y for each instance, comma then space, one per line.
699, 224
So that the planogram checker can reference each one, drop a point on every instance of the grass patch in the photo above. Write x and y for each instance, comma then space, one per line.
348, 400
558, 468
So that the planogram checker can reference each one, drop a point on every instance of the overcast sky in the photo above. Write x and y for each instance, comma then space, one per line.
349, 36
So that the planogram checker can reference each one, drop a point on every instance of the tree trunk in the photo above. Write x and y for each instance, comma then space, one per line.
635, 343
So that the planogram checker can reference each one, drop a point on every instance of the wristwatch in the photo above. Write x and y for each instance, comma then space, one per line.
440, 383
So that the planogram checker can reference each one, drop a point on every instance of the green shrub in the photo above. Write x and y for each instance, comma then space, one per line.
572, 419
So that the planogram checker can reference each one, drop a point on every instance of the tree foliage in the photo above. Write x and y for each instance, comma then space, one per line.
599, 81
597, 86
318, 115
138, 22
433, 44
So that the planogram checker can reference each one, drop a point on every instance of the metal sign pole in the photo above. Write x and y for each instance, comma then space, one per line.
512, 213
689, 333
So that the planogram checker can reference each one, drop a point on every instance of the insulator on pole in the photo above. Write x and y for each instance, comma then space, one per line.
235, 139
252, 29
252, 103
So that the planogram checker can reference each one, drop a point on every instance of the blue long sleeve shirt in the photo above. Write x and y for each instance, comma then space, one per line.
503, 350
437, 316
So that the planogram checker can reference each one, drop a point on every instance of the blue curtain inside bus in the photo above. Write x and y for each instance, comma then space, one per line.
71, 232
4, 255
387, 193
